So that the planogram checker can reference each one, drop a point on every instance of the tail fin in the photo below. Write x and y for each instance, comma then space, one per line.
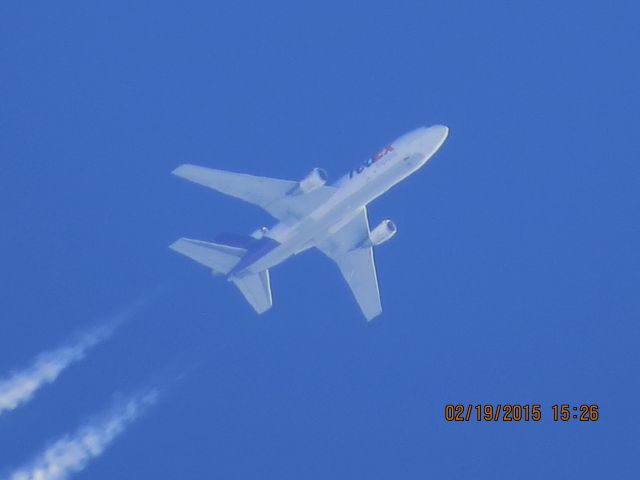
220, 258
256, 288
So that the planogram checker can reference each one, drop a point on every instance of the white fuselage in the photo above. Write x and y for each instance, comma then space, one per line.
353, 192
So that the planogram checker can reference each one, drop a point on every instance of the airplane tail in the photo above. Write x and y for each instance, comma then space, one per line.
221, 258
256, 288
218, 257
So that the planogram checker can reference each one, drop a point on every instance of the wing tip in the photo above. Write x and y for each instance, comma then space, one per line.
176, 244
179, 170
371, 316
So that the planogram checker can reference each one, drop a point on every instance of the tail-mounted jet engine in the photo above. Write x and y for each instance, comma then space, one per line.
383, 232
259, 233
316, 179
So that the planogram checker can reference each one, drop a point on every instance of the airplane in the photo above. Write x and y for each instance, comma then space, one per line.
310, 213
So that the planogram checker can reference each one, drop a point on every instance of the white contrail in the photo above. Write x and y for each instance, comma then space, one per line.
72, 453
20, 386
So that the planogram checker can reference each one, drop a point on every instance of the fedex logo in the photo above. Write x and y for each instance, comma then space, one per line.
372, 160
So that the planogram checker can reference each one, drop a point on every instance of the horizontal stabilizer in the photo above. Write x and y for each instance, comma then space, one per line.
235, 240
256, 288
219, 258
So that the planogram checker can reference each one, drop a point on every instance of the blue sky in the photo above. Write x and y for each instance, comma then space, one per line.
513, 278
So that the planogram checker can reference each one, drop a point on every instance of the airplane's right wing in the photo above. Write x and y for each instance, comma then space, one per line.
345, 247
271, 194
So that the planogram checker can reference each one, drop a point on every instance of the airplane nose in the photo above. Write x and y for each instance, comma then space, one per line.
440, 130
432, 139
436, 134
424, 141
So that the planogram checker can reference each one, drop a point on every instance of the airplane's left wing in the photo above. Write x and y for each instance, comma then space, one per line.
272, 194
347, 247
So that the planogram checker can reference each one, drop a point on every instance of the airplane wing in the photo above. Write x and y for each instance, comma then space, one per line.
356, 262
271, 194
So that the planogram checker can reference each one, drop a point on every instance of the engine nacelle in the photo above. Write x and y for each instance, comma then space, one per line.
316, 179
259, 233
383, 232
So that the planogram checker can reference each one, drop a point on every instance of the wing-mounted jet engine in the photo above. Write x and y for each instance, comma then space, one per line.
316, 179
383, 232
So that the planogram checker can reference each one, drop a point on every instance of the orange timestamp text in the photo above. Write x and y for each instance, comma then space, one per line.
516, 412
